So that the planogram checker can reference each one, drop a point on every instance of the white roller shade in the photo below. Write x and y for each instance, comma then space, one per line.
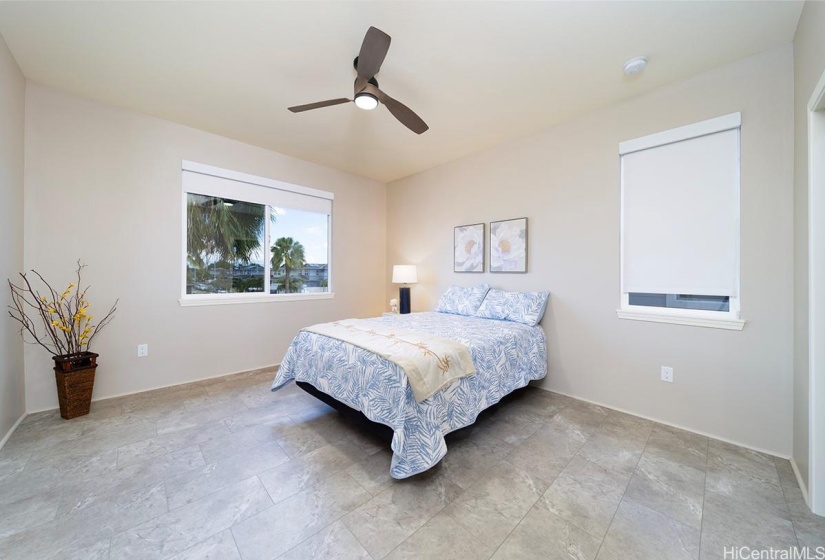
275, 194
680, 212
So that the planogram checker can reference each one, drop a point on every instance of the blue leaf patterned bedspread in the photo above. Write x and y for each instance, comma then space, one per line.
506, 355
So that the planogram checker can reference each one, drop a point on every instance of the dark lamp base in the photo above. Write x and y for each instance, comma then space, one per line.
404, 296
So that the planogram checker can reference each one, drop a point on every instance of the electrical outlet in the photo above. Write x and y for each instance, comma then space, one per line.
143, 350
667, 374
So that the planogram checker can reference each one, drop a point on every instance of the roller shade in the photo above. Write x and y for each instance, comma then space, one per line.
680, 210
201, 183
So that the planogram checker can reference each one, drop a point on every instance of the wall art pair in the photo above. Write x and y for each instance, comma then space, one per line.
508, 247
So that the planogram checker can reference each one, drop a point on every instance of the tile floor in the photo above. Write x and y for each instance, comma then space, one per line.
224, 469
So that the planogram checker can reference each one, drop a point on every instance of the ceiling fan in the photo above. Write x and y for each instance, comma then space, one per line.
367, 95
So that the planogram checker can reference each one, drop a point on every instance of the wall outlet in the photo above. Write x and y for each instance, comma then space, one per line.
143, 350
667, 374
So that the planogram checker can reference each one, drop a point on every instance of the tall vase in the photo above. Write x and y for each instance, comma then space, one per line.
75, 377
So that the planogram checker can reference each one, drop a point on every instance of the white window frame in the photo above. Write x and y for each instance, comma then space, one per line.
187, 300
731, 319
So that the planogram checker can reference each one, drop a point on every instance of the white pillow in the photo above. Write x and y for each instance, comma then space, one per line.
462, 301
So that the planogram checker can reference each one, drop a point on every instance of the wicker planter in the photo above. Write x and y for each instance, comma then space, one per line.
75, 377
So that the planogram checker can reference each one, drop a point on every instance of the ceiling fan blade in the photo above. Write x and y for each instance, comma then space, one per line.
373, 51
403, 113
319, 104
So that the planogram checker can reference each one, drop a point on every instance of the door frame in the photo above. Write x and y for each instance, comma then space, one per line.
816, 301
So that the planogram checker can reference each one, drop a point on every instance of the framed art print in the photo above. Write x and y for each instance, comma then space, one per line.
468, 244
508, 246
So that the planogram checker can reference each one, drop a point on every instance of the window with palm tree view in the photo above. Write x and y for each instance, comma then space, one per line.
238, 247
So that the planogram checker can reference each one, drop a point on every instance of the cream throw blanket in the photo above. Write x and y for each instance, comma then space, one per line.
430, 362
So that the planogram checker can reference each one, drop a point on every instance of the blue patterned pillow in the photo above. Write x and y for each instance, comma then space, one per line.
462, 301
519, 307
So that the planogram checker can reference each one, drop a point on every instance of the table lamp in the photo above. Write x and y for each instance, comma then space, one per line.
404, 274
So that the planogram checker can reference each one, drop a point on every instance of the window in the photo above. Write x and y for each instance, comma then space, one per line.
680, 225
681, 301
249, 239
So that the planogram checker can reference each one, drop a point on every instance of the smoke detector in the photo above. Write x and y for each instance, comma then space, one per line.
635, 65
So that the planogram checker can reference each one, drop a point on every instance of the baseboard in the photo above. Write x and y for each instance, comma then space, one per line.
11, 431
801, 482
107, 397
658, 421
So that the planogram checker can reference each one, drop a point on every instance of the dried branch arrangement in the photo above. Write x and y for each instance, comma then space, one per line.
57, 321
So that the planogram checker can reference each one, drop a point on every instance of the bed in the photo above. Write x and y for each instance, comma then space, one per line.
507, 355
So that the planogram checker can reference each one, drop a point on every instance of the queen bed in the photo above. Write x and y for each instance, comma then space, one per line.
506, 356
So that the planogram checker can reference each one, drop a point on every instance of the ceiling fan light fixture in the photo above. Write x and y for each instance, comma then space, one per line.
366, 101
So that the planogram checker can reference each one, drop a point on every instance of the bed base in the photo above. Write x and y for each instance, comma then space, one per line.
382, 430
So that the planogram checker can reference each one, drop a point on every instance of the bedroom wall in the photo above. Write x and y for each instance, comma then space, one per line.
12, 108
729, 384
103, 185
809, 64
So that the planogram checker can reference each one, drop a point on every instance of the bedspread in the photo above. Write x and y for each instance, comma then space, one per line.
430, 362
506, 355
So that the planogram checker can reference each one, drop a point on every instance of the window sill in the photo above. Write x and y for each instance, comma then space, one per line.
678, 319
231, 299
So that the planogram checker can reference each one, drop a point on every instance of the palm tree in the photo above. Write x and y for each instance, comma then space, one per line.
288, 253
222, 230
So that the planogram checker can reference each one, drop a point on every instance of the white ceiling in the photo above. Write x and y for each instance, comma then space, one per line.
479, 73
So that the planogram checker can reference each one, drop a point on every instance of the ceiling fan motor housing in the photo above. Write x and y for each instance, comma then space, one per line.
372, 80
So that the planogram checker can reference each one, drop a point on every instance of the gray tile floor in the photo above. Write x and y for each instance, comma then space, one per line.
224, 469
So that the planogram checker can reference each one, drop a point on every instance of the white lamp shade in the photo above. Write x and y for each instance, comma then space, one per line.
404, 274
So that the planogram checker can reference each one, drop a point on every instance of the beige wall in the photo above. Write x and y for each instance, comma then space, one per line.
12, 108
809, 64
733, 385
104, 185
